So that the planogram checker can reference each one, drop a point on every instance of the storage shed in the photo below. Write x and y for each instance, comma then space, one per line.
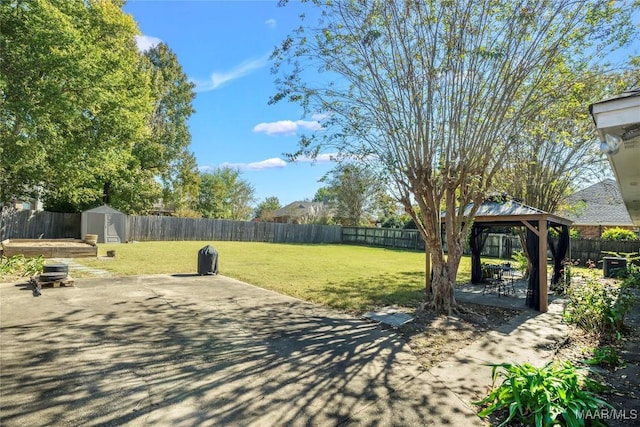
110, 225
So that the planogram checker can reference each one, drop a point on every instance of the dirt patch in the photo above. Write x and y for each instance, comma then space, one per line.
49, 248
434, 338
623, 382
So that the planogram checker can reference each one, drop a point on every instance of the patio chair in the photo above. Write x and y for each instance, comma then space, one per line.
508, 279
492, 279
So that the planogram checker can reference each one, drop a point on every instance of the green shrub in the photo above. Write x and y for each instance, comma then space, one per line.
521, 261
556, 394
574, 233
606, 356
618, 234
599, 308
632, 277
18, 265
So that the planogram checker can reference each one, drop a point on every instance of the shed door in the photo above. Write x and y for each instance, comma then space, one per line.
111, 228
95, 225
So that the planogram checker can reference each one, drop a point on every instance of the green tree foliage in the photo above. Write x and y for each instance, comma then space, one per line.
265, 209
355, 193
557, 153
166, 151
75, 101
225, 195
324, 194
84, 117
436, 95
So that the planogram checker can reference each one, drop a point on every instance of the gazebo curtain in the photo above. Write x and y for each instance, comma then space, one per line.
533, 293
476, 242
559, 252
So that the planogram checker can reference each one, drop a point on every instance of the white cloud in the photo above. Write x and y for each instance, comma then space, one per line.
320, 158
271, 23
320, 116
145, 43
217, 79
287, 127
272, 163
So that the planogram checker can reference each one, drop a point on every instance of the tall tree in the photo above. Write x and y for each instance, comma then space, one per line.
436, 94
265, 209
74, 102
557, 152
324, 194
166, 151
225, 195
355, 190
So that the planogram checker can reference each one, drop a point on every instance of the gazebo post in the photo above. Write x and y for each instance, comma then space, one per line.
542, 265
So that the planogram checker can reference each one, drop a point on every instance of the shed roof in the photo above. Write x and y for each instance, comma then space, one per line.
104, 209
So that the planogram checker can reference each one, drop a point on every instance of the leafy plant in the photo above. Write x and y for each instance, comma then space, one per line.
599, 308
605, 356
574, 233
632, 277
564, 284
18, 265
521, 260
618, 234
555, 394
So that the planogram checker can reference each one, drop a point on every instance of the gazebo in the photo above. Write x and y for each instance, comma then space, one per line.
509, 213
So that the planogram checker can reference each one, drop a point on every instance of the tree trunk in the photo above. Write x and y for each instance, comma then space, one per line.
443, 299
442, 296
427, 271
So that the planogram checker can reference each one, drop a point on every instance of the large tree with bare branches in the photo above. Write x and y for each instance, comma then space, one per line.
557, 154
435, 93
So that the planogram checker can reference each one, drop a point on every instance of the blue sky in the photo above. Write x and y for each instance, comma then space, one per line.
223, 47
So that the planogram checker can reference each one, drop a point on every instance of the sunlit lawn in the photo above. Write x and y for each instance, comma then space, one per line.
341, 276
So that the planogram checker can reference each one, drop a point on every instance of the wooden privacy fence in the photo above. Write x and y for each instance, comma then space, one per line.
596, 249
54, 225
168, 228
25, 224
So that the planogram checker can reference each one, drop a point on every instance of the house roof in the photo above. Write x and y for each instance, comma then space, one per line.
602, 205
298, 209
628, 94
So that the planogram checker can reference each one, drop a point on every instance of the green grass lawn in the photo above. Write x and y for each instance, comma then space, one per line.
341, 276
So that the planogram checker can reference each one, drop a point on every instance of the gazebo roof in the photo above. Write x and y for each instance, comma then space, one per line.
511, 212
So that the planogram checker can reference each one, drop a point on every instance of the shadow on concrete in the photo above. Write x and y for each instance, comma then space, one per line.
111, 353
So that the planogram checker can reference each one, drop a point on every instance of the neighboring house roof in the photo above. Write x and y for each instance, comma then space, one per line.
602, 205
299, 209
